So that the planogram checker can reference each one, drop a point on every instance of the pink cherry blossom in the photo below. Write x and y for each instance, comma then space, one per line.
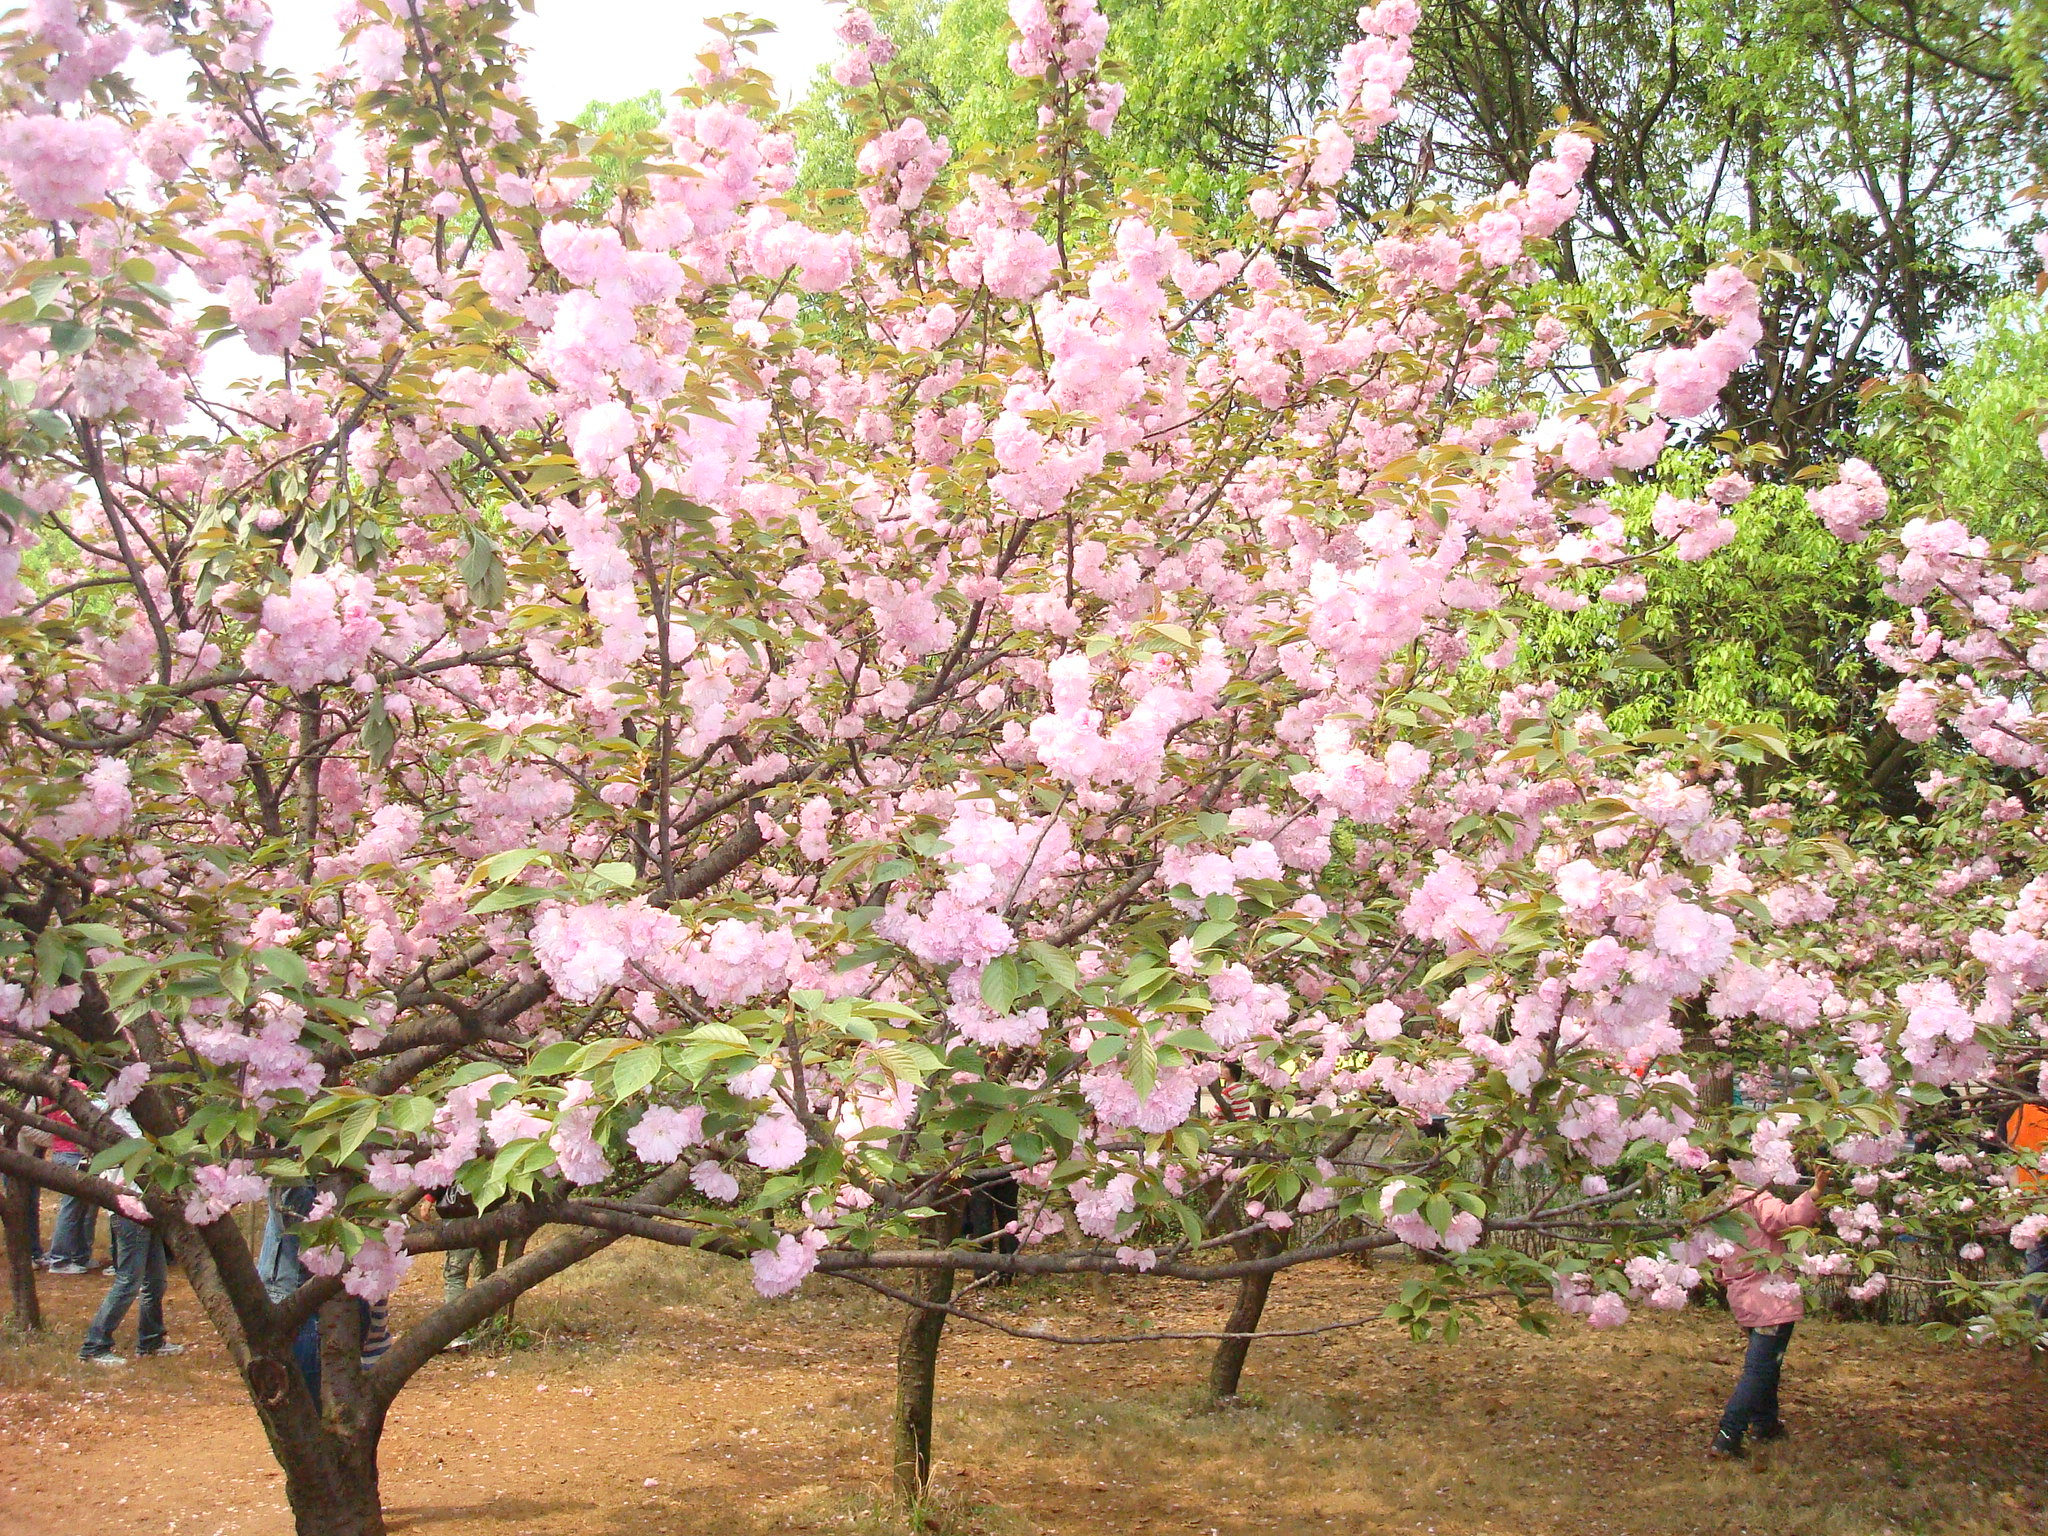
663, 1133
57, 165
776, 1141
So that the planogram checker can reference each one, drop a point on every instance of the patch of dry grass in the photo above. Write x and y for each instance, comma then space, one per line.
1577, 1435
40, 1360
659, 1394
874, 1513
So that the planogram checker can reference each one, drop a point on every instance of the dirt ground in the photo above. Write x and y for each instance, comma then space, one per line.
657, 1395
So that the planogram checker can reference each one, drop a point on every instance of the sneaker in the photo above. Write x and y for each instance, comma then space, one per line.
69, 1269
108, 1359
1724, 1449
160, 1351
1769, 1431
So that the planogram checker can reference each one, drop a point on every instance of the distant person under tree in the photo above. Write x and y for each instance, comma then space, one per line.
1766, 1304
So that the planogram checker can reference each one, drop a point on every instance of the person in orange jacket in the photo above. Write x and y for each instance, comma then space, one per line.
2026, 1132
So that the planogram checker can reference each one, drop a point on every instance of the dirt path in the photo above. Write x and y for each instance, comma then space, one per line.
661, 1397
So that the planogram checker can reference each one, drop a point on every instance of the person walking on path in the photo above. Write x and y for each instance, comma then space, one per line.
70, 1251
141, 1268
283, 1271
1766, 1304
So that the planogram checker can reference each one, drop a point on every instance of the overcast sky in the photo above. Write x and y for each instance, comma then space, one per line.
580, 51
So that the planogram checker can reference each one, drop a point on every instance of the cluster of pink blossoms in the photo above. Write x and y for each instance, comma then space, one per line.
1060, 41
58, 166
1687, 380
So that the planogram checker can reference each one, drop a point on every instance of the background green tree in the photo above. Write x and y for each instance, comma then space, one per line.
1885, 167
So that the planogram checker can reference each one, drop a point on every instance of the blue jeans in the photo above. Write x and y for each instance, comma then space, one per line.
71, 1241
141, 1265
1754, 1401
306, 1354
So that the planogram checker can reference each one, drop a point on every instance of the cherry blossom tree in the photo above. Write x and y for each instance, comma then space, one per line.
687, 716
1943, 932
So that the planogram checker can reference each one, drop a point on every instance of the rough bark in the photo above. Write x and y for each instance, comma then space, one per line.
1717, 1089
917, 1365
1226, 1366
515, 1250
17, 1213
333, 1490
1717, 1085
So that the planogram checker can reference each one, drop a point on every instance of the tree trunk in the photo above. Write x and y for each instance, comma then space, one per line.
328, 1448
1227, 1366
1718, 1091
514, 1251
333, 1490
917, 1365
18, 1212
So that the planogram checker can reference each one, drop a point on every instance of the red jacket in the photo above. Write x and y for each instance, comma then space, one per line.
50, 1109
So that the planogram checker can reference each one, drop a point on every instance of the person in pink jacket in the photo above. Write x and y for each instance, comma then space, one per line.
1766, 1303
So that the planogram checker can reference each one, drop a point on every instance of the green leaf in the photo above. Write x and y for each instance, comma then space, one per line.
482, 571
127, 981
68, 337
53, 956
635, 1070
380, 736
118, 1155
551, 1059
509, 896
1057, 965
597, 1052
503, 866
1063, 1123
723, 1034
670, 504
900, 1061
1143, 1070
410, 1113
1002, 980
286, 966
355, 1130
